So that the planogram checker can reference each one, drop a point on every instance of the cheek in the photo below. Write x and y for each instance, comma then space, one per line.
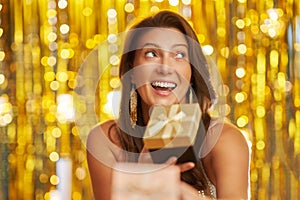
185, 72
140, 71
140, 76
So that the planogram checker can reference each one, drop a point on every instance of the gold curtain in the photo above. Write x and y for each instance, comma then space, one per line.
43, 43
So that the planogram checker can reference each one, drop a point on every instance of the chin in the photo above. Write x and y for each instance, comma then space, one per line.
166, 102
151, 98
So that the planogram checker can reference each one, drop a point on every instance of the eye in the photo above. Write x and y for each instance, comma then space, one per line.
179, 55
150, 54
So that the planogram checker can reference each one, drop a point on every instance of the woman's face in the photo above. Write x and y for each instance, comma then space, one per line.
162, 70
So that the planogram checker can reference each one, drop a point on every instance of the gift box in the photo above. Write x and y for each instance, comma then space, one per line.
136, 181
175, 130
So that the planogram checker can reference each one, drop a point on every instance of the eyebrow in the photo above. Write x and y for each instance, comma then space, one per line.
157, 46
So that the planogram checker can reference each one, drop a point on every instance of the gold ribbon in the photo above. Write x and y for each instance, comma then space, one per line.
167, 122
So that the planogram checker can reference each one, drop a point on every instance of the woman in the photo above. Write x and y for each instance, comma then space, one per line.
163, 64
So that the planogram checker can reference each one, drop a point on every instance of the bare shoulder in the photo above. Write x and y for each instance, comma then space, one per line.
231, 150
227, 164
231, 142
229, 146
221, 137
103, 138
101, 145
231, 135
101, 158
102, 127
107, 129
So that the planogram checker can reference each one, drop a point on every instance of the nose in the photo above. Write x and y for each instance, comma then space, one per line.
165, 66
164, 69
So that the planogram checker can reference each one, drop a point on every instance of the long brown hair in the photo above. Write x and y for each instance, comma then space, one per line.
200, 84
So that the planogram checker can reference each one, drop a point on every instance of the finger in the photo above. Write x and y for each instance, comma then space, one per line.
186, 166
172, 160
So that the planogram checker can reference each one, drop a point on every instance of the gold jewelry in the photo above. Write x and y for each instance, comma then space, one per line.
191, 95
133, 107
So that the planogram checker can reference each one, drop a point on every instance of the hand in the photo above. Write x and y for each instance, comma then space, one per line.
183, 166
145, 157
187, 192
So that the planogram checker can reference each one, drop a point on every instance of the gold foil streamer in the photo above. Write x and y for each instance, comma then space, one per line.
39, 62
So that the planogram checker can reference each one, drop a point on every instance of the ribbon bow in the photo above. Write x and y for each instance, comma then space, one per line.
167, 122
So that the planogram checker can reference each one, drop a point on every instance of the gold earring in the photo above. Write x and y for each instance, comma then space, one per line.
133, 107
191, 95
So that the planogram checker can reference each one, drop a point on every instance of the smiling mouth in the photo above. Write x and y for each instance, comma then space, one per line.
164, 86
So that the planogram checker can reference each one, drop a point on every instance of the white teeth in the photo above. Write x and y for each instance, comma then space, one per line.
163, 84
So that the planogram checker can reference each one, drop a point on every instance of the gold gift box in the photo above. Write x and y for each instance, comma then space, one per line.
174, 130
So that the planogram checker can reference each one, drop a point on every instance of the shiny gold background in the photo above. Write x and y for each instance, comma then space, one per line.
255, 44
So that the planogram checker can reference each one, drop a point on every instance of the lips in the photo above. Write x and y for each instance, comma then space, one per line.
163, 85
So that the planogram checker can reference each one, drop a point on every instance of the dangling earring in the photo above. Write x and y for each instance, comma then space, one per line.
133, 107
191, 95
